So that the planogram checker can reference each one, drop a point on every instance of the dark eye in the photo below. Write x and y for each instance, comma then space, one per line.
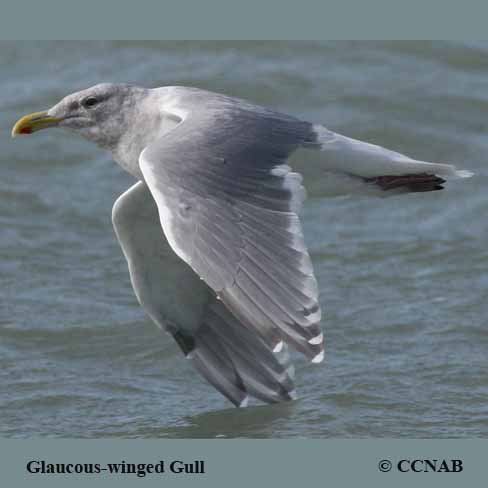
89, 102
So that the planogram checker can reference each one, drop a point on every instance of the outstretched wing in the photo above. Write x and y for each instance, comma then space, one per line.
228, 206
231, 358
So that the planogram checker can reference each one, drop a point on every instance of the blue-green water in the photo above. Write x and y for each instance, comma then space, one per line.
403, 281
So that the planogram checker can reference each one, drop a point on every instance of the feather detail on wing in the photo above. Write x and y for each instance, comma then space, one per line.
228, 205
237, 362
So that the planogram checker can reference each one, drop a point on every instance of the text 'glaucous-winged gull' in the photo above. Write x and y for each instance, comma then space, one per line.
211, 232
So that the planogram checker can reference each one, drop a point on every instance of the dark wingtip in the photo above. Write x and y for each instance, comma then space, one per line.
419, 182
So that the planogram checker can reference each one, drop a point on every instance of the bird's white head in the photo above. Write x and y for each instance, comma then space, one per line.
98, 113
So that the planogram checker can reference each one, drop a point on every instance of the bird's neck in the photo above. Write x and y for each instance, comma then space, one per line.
147, 123
126, 154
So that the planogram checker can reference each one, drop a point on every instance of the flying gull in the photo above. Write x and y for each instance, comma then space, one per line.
210, 230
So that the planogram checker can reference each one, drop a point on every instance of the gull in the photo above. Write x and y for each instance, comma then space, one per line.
211, 230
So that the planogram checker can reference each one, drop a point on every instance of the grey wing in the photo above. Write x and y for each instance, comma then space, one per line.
228, 205
232, 359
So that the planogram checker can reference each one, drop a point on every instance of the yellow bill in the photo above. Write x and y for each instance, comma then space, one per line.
34, 122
